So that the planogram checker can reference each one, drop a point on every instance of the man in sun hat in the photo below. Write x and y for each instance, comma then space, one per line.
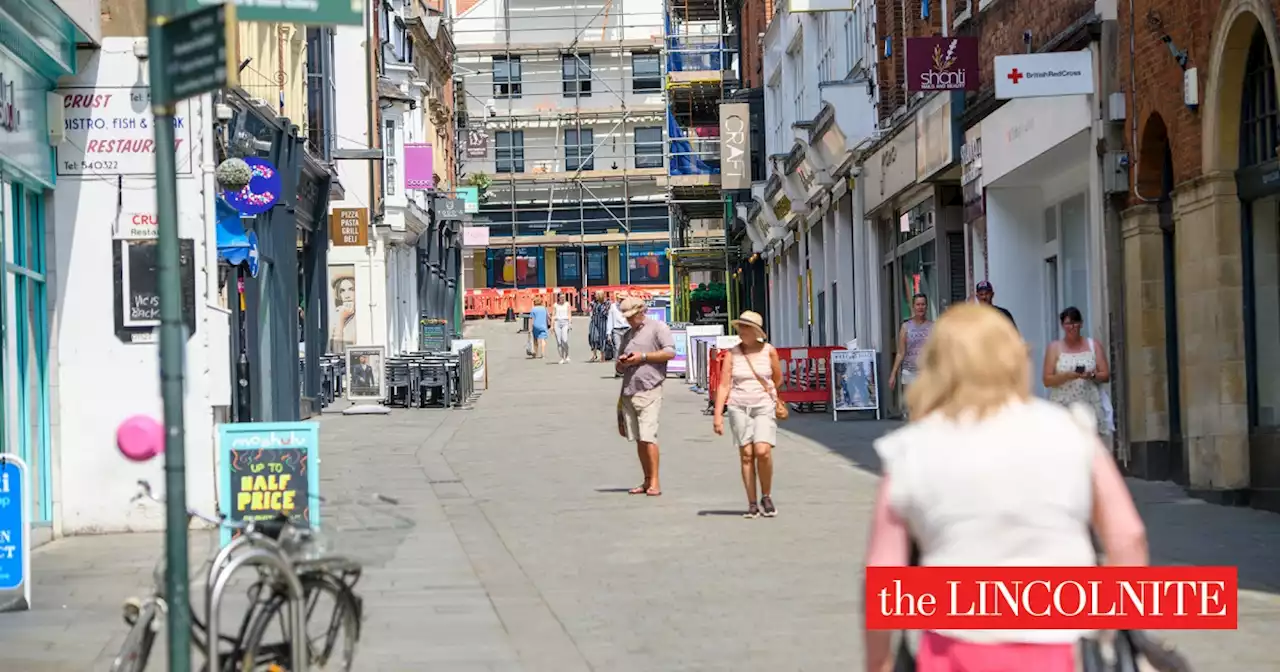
643, 353
986, 293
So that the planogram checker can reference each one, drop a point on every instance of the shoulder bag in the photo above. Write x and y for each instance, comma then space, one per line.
781, 412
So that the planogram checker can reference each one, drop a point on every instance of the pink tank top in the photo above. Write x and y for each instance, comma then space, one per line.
747, 392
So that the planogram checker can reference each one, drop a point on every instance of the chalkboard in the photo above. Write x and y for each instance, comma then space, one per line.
435, 336
137, 288
267, 469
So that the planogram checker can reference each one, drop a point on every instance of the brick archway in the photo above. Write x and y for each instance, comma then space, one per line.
1150, 180
1232, 34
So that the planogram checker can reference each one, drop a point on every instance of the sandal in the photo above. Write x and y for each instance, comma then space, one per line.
752, 512
653, 493
638, 490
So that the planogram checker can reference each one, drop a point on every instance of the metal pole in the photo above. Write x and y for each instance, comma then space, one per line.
172, 345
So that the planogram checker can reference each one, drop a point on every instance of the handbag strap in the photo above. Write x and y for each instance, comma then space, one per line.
768, 386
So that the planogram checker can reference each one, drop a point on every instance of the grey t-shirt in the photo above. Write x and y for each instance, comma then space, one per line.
651, 336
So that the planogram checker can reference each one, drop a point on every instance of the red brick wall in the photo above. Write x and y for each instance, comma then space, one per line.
756, 15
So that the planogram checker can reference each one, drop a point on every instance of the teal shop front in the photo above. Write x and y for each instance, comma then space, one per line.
37, 46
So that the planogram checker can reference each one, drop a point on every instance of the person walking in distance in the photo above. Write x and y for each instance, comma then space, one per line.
986, 293
538, 327
598, 329
563, 322
1075, 369
911, 338
643, 354
748, 394
617, 325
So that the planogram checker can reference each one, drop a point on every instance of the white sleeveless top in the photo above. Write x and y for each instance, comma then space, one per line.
1015, 489
562, 311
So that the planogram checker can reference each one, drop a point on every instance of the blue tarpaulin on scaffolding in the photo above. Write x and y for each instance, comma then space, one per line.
234, 245
688, 56
683, 160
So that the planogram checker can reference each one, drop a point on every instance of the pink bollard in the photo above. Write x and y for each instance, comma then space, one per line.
140, 438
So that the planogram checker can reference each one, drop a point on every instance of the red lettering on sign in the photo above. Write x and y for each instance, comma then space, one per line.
84, 100
143, 220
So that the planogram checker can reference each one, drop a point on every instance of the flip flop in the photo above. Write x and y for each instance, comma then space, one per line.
653, 493
638, 490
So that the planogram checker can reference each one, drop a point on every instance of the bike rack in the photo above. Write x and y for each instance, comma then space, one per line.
297, 613
219, 561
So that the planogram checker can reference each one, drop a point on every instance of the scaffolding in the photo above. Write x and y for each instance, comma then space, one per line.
526, 65
700, 73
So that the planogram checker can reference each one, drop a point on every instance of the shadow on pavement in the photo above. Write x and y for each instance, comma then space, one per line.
1181, 530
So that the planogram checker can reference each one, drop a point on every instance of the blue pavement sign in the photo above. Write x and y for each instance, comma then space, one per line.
15, 535
267, 468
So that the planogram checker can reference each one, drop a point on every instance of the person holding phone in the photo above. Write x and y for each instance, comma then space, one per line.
1075, 367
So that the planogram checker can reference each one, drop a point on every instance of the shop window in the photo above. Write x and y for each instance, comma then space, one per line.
520, 270
649, 147
647, 264
569, 267
646, 73
576, 74
598, 266
1258, 117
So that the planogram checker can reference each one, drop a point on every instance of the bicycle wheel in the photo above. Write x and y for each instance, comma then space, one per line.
343, 625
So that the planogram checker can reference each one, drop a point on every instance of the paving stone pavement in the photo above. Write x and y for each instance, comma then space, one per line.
515, 547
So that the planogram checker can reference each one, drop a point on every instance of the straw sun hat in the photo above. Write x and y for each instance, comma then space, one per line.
751, 319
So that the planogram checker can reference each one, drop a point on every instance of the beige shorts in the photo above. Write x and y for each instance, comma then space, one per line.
758, 424
641, 412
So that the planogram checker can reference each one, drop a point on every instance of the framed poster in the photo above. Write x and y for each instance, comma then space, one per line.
267, 468
365, 367
692, 333
854, 386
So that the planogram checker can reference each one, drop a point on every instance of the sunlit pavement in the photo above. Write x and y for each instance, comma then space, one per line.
515, 547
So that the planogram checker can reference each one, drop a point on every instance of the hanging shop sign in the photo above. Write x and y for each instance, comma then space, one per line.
471, 199
971, 173
419, 162
855, 386
449, 208
942, 64
349, 227
477, 143
475, 236
108, 133
1057, 73
300, 12
137, 289
269, 468
262, 192
10, 115
195, 54
15, 534
735, 146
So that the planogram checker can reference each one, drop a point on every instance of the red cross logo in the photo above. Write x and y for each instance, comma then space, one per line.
1015, 75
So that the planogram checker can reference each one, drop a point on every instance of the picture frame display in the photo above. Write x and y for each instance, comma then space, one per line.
366, 373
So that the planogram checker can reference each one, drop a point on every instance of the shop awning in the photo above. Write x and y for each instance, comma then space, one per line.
234, 245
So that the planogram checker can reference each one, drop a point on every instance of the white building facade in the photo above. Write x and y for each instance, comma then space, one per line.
819, 109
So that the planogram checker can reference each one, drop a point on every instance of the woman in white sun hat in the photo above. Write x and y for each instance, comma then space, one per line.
748, 392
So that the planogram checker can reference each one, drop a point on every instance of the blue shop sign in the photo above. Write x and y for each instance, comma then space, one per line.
262, 192
15, 537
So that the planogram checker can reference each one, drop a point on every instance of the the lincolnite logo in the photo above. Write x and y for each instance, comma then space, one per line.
9, 115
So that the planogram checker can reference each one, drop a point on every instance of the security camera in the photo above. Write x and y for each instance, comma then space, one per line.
140, 49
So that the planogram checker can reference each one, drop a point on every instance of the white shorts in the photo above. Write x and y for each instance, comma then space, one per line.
758, 424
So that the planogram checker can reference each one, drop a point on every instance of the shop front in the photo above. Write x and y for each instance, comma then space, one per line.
37, 46
975, 207
1040, 235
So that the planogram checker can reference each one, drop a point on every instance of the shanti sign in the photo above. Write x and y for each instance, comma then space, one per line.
15, 535
269, 468
942, 64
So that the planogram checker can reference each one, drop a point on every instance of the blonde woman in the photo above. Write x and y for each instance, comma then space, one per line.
749, 380
961, 482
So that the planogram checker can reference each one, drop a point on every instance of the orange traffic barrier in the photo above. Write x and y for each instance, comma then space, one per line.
806, 374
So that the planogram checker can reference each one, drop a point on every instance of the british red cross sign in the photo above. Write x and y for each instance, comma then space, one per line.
1063, 73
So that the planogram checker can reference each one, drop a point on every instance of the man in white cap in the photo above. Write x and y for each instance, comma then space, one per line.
643, 354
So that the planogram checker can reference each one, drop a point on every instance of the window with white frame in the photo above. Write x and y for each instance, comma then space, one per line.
775, 113
795, 74
389, 156
827, 66
855, 37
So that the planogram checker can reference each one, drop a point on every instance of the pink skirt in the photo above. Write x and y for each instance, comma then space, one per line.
943, 654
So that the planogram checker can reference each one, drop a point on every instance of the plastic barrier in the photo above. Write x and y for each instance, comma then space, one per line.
805, 374
713, 362
494, 302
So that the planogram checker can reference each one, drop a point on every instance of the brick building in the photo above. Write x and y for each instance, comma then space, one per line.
1201, 245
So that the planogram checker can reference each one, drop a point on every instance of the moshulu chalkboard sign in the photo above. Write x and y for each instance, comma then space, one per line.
267, 469
137, 288
435, 334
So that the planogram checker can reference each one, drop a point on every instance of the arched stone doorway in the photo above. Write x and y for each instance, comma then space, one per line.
1153, 392
1229, 263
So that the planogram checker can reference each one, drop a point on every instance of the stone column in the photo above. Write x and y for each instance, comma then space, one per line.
1211, 326
1146, 373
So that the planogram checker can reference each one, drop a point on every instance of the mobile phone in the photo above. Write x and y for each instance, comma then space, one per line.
1080, 369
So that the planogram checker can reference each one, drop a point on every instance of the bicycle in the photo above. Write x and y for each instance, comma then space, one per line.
295, 566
